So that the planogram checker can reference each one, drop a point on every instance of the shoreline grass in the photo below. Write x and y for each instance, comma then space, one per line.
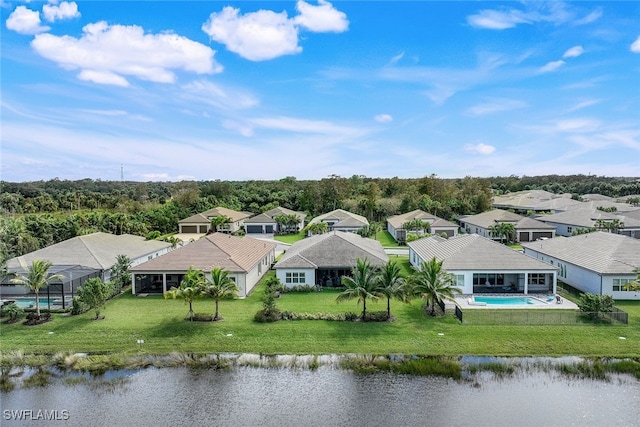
160, 323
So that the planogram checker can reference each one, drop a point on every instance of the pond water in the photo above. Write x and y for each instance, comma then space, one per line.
246, 396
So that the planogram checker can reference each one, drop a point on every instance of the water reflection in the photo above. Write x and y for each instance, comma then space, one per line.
246, 396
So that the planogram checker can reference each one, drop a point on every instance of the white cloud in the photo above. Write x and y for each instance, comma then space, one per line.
577, 125
480, 148
256, 36
383, 118
495, 106
242, 129
103, 78
305, 126
265, 34
226, 98
497, 20
553, 12
635, 46
106, 54
551, 66
573, 52
583, 104
322, 18
396, 58
64, 10
25, 21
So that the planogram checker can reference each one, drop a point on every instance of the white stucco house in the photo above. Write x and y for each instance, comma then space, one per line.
341, 220
395, 225
599, 262
245, 258
200, 223
480, 265
83, 257
526, 229
566, 223
323, 259
265, 222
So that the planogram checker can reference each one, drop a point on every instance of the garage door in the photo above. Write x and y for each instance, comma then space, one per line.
268, 229
254, 229
189, 229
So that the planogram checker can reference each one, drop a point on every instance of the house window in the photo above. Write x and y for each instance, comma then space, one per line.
537, 278
569, 229
295, 278
459, 280
619, 284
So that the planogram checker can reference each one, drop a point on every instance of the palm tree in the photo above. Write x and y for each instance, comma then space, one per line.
37, 279
433, 284
220, 286
190, 289
362, 286
503, 230
120, 274
392, 285
635, 285
218, 221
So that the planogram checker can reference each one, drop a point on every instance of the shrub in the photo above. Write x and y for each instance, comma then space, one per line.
299, 288
594, 306
78, 307
12, 311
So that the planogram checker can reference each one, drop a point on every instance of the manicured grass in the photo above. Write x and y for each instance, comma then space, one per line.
289, 238
384, 237
160, 323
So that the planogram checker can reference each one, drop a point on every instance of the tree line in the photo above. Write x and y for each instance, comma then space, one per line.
41, 213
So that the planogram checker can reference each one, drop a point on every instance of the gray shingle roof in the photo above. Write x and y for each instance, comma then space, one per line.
604, 253
336, 249
235, 254
96, 250
474, 252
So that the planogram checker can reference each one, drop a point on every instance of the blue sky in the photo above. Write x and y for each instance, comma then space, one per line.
262, 90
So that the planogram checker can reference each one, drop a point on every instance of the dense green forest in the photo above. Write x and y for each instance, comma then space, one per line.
38, 214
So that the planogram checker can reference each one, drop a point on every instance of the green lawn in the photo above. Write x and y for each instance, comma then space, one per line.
289, 238
387, 241
160, 324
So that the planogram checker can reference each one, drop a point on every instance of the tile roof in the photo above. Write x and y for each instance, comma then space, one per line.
205, 217
268, 216
235, 254
397, 221
474, 252
342, 218
96, 250
336, 249
587, 218
604, 253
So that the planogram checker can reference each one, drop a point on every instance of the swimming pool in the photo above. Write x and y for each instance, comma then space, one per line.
31, 302
509, 301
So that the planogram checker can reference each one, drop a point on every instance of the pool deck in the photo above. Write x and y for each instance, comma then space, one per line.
466, 302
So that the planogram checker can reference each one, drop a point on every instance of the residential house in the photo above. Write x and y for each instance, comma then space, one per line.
526, 229
265, 222
395, 225
566, 223
83, 257
540, 201
245, 258
599, 262
341, 220
481, 265
323, 259
201, 223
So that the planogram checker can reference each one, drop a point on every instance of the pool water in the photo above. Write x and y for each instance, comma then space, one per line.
508, 300
31, 302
